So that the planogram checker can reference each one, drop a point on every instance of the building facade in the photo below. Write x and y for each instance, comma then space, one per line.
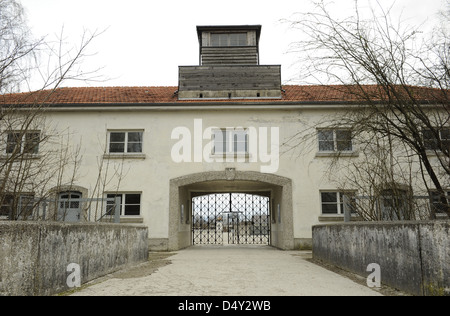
230, 155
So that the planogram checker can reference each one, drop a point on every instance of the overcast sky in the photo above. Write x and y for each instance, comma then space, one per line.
145, 41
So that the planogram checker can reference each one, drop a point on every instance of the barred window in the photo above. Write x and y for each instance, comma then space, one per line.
69, 200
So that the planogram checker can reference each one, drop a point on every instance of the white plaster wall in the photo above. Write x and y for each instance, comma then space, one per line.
151, 175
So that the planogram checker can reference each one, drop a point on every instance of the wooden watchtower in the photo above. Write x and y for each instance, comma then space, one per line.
229, 66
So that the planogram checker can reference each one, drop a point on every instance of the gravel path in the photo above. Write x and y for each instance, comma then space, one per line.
227, 271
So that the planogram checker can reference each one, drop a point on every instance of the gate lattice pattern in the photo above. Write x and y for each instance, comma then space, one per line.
231, 218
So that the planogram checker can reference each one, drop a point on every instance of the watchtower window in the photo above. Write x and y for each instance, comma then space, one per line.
228, 39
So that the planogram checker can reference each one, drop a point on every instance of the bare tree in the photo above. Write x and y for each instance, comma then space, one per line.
398, 89
34, 156
16, 46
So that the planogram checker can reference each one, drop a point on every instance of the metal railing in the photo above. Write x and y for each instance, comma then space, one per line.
391, 208
67, 210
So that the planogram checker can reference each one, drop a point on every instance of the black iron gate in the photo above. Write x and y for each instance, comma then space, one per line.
231, 218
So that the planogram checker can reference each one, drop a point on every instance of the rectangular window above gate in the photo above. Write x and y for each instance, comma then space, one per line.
230, 142
125, 144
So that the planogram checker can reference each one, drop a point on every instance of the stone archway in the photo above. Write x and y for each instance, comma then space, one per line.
230, 180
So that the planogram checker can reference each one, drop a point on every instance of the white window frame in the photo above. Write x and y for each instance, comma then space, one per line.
122, 200
339, 201
427, 141
23, 142
334, 140
434, 199
230, 139
126, 142
16, 197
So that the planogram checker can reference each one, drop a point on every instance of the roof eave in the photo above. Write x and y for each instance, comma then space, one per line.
179, 106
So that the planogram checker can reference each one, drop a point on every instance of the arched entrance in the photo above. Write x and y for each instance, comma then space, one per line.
184, 189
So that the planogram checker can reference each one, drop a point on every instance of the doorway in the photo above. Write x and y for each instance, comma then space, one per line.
69, 206
277, 189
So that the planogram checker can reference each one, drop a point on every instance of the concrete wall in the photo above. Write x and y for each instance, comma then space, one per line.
34, 256
413, 256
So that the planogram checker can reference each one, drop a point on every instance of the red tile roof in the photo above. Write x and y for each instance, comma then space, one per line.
165, 95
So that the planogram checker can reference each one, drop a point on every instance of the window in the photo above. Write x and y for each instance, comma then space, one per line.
69, 200
339, 140
431, 140
32, 140
16, 206
394, 198
22, 142
228, 39
436, 203
333, 202
395, 204
13, 142
230, 141
130, 204
125, 142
